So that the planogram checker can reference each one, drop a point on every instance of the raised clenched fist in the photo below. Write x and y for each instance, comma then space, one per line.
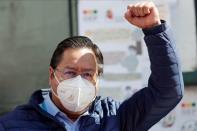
143, 15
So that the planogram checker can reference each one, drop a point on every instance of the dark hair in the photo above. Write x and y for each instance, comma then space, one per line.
77, 42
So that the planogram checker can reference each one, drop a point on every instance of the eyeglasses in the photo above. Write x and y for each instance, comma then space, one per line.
68, 74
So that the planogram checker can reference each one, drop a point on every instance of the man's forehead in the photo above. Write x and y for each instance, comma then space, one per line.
82, 58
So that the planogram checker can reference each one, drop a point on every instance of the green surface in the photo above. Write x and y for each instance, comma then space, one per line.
29, 33
190, 78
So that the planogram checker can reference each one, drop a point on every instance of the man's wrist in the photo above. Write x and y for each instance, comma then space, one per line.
156, 23
155, 29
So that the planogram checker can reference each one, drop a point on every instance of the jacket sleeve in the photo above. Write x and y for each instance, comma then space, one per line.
165, 85
1, 127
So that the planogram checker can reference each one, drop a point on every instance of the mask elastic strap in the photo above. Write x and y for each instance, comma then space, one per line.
54, 92
56, 78
52, 87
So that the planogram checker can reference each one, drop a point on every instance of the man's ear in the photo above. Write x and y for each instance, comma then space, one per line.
51, 74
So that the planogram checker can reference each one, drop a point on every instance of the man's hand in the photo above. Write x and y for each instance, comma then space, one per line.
143, 15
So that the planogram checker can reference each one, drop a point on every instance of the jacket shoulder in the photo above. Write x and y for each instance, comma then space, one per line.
22, 117
19, 113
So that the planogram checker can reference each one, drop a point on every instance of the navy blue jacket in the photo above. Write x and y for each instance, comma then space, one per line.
138, 113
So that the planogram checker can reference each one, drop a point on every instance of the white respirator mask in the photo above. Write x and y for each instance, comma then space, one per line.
75, 94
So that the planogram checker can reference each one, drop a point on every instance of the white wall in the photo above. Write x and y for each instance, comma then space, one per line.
183, 23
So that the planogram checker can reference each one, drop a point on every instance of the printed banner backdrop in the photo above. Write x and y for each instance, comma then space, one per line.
126, 68
126, 60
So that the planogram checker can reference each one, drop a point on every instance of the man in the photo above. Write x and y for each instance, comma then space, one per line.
75, 67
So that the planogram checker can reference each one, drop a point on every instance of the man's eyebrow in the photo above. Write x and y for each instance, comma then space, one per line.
85, 69
89, 70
